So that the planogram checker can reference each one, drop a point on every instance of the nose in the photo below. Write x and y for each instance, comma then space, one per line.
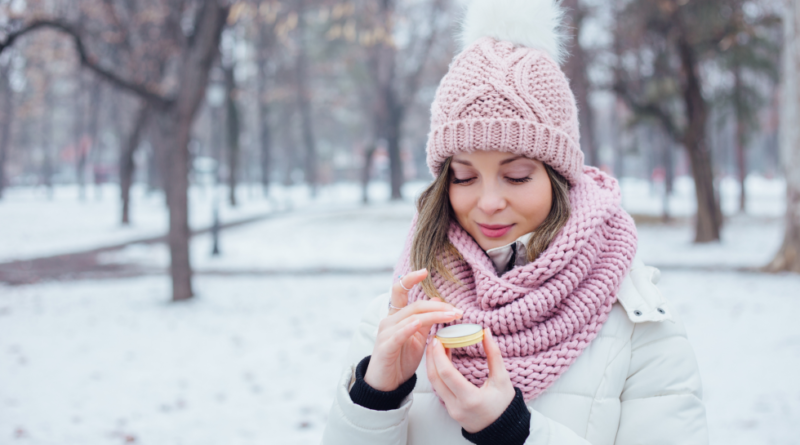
491, 200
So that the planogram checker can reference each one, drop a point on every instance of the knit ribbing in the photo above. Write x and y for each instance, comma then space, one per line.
545, 313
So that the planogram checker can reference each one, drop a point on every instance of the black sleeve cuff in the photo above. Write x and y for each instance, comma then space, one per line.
368, 397
511, 428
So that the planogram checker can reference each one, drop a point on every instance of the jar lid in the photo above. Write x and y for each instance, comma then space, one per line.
460, 335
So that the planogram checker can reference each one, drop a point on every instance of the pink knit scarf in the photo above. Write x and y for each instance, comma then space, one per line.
545, 313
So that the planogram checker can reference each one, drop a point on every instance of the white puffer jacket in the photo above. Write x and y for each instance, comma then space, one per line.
636, 383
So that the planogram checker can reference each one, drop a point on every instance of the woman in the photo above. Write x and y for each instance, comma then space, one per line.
516, 235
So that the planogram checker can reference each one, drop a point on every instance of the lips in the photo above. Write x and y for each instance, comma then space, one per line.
495, 230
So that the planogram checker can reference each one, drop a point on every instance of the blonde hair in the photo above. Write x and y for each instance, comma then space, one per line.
431, 248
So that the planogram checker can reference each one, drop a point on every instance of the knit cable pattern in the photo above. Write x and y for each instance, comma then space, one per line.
498, 96
545, 313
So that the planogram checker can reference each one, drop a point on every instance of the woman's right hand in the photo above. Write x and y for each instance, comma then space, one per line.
402, 335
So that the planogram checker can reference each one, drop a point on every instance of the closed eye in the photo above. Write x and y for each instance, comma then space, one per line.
519, 180
462, 181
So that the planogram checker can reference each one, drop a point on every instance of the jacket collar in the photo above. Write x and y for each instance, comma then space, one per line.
516, 250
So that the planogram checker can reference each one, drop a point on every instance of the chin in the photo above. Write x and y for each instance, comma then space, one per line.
491, 243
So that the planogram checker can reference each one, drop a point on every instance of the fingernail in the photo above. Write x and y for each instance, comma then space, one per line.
435, 342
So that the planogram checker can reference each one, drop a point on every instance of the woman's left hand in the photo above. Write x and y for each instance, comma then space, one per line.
472, 407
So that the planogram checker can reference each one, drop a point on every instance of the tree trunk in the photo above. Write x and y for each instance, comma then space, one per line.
666, 144
265, 139
232, 127
48, 167
304, 104
175, 125
174, 132
126, 164
365, 173
94, 114
78, 131
264, 130
788, 257
155, 162
393, 130
740, 136
7, 115
576, 70
708, 221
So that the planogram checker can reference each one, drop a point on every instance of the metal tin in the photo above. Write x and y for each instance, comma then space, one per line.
460, 335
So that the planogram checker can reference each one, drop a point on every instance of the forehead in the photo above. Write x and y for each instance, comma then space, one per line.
490, 158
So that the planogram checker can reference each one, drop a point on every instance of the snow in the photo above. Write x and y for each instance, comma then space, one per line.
255, 357
34, 225
251, 360
745, 334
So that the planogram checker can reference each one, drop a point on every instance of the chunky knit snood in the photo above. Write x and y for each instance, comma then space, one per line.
545, 313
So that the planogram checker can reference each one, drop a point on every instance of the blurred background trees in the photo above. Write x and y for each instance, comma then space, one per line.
286, 93
788, 257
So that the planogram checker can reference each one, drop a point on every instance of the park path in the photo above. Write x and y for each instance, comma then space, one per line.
85, 264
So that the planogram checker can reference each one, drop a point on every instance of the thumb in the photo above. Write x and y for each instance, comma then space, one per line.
494, 358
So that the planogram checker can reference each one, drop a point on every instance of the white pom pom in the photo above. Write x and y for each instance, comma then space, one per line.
530, 23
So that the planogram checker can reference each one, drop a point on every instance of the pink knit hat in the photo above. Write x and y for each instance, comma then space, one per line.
505, 90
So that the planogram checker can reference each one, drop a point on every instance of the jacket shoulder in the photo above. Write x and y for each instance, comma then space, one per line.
640, 297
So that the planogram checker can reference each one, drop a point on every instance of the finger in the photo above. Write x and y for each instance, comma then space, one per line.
399, 292
398, 336
431, 318
433, 375
494, 358
425, 306
450, 376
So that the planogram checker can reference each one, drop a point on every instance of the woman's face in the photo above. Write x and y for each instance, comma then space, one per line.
498, 197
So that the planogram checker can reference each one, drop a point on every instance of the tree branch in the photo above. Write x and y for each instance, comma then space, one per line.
87, 60
648, 109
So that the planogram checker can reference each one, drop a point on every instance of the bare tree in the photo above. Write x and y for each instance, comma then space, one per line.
126, 163
265, 24
674, 39
6, 118
304, 100
232, 129
752, 57
576, 69
395, 85
788, 257
174, 110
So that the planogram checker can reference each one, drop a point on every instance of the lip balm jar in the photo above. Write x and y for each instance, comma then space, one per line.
460, 335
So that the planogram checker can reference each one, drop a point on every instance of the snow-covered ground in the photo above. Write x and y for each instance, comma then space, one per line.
250, 361
255, 357
255, 360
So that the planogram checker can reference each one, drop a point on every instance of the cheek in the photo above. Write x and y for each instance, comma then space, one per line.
461, 200
533, 202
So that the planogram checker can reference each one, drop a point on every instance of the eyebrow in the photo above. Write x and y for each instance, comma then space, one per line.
510, 160
503, 162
